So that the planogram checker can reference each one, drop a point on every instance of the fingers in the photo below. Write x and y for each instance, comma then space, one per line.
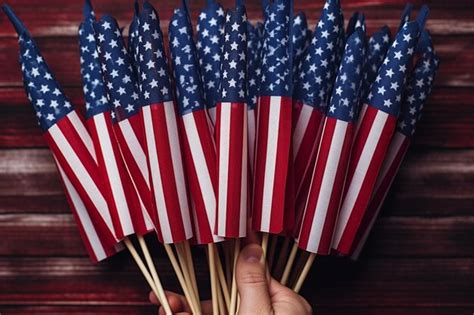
252, 282
286, 301
177, 302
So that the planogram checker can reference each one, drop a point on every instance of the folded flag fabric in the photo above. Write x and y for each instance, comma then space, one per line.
312, 91
122, 90
210, 29
231, 129
418, 90
122, 198
198, 142
274, 125
163, 145
300, 38
375, 128
330, 170
71, 145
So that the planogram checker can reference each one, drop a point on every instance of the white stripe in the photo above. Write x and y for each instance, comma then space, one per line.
135, 148
392, 152
359, 175
223, 177
177, 160
200, 166
113, 174
244, 180
81, 173
270, 161
158, 193
300, 128
212, 114
84, 217
83, 133
327, 186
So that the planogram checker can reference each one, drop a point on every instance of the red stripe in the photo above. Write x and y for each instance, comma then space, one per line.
336, 195
170, 191
379, 195
368, 184
203, 125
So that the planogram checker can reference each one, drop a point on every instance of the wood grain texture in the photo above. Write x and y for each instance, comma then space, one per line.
418, 260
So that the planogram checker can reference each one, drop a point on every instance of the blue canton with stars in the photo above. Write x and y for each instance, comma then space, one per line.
418, 90
44, 93
185, 63
300, 38
254, 50
210, 29
116, 69
346, 93
133, 40
319, 65
234, 56
276, 79
154, 78
386, 91
379, 43
95, 93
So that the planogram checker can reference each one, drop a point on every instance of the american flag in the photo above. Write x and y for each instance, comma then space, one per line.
312, 91
164, 152
418, 90
301, 39
71, 145
199, 146
273, 136
379, 43
210, 28
120, 83
231, 129
121, 196
374, 130
334, 150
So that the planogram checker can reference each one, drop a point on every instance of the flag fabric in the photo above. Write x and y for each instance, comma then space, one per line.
312, 91
300, 38
334, 150
210, 29
71, 145
121, 197
231, 130
163, 146
418, 90
198, 142
121, 86
379, 43
374, 130
273, 137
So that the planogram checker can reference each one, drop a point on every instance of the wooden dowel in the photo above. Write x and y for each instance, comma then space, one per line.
223, 282
289, 264
264, 244
271, 252
213, 274
151, 266
233, 293
278, 270
185, 268
141, 266
220, 299
304, 273
228, 248
181, 279
192, 273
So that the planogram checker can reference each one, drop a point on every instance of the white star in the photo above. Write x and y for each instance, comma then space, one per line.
44, 89
381, 90
129, 108
387, 103
106, 25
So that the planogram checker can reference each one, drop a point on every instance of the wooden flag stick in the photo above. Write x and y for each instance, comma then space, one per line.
233, 293
192, 273
304, 273
220, 299
181, 280
228, 249
289, 264
154, 274
185, 268
141, 266
278, 270
271, 252
264, 244
213, 274
223, 282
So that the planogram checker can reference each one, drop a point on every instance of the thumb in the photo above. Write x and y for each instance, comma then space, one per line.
252, 282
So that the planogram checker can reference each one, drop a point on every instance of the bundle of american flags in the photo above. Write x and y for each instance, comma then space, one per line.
240, 126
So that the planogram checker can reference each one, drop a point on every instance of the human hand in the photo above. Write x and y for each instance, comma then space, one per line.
259, 293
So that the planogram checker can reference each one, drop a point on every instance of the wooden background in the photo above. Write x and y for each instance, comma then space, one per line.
419, 259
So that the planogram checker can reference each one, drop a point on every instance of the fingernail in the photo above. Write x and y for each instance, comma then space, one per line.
253, 254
